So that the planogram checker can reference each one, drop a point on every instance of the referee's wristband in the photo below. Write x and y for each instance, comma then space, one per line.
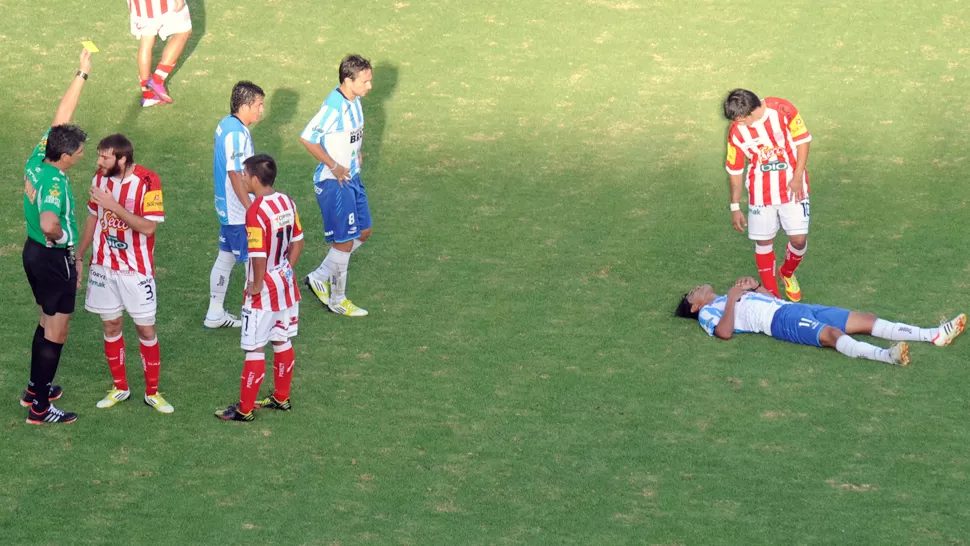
83, 75
735, 207
62, 239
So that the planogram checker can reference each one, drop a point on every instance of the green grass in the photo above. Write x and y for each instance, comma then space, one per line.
546, 180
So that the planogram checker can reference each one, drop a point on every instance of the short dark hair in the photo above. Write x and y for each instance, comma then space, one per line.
740, 103
352, 65
683, 309
64, 139
263, 167
120, 146
244, 93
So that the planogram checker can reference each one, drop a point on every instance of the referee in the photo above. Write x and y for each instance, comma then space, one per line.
53, 271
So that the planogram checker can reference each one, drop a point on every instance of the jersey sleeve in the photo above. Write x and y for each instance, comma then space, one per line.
235, 146
51, 197
322, 124
709, 317
734, 162
152, 205
790, 115
297, 225
257, 234
92, 206
41, 149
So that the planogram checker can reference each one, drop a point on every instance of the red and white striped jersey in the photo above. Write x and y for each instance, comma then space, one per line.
272, 223
150, 9
116, 245
770, 146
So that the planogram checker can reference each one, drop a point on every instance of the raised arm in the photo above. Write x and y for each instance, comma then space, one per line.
65, 110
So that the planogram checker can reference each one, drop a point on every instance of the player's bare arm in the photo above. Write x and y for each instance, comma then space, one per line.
339, 171
179, 4
239, 186
737, 217
259, 271
65, 110
293, 253
725, 328
138, 223
798, 191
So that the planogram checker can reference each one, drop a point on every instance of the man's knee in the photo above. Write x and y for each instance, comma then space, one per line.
798, 241
365, 234
112, 326
829, 336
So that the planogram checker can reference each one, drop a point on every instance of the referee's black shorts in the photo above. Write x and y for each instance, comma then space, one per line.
52, 277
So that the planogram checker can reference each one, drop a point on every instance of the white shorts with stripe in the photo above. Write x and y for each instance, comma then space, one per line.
110, 292
260, 326
763, 221
172, 22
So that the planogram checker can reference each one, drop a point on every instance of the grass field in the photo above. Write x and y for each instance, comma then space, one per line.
546, 181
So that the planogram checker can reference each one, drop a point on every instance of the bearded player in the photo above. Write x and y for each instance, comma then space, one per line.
169, 20
124, 210
772, 137
271, 310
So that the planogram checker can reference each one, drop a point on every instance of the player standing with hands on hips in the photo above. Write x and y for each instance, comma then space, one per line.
334, 137
771, 135
52, 269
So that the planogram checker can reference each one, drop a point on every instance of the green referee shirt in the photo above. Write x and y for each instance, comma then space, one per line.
47, 188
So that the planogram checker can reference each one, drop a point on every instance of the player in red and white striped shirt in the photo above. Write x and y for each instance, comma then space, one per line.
773, 138
162, 18
125, 208
271, 309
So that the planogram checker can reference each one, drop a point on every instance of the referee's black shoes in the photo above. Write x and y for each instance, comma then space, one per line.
28, 399
51, 416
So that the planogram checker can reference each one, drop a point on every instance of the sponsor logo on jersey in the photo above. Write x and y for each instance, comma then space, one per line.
254, 237
111, 221
284, 218
53, 200
797, 127
732, 154
237, 155
357, 135
115, 243
153, 201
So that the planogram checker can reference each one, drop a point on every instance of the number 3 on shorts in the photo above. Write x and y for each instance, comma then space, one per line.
805, 208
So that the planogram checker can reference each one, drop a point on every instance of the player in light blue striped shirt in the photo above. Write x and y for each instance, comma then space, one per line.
334, 137
749, 308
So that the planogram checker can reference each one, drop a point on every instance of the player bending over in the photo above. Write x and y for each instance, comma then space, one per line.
771, 135
125, 208
749, 308
169, 20
271, 309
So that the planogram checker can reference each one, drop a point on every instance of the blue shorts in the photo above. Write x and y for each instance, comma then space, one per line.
802, 323
344, 209
233, 239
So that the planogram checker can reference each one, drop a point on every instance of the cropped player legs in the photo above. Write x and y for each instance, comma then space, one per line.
145, 46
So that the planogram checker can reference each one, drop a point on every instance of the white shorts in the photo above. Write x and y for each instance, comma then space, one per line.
763, 221
260, 326
173, 22
110, 292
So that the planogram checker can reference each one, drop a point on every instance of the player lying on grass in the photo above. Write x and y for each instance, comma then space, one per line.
749, 308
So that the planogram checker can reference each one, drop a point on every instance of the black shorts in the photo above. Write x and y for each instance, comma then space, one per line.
52, 277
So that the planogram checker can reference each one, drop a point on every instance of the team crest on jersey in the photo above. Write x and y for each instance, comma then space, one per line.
111, 221
55, 191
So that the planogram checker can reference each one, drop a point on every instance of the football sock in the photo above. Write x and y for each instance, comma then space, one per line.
151, 361
219, 284
897, 331
793, 257
161, 72
326, 269
114, 352
35, 359
764, 257
338, 287
859, 349
252, 378
49, 355
146, 93
357, 243
283, 360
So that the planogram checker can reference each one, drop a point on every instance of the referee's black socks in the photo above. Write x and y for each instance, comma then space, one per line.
44, 358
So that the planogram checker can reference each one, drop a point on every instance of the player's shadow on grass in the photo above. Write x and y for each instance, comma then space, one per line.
375, 110
271, 132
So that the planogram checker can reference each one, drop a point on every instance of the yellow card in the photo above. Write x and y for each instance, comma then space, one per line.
89, 45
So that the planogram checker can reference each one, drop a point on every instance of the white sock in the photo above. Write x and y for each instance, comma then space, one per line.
357, 243
219, 284
897, 331
326, 269
338, 286
860, 349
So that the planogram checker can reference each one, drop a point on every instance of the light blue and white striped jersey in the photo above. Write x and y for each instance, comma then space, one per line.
339, 128
233, 145
752, 314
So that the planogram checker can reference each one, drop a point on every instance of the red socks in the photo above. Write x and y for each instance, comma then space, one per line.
114, 351
793, 257
283, 360
151, 362
252, 378
161, 72
764, 256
